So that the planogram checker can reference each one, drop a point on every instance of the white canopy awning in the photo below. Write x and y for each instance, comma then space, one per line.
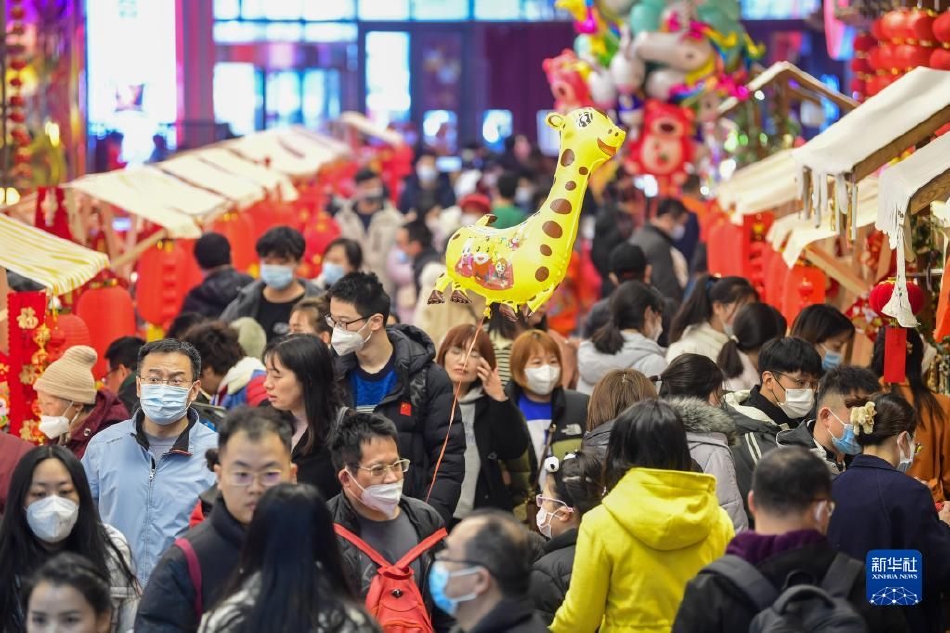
247, 170
900, 116
363, 124
58, 264
767, 184
190, 168
291, 151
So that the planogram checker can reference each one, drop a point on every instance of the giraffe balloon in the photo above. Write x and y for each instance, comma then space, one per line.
519, 268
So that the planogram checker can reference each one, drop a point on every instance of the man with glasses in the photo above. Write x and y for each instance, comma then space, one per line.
482, 576
791, 501
372, 507
253, 455
789, 369
392, 371
146, 473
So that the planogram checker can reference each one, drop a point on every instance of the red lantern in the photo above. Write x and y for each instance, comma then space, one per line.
911, 55
941, 28
863, 42
895, 342
322, 230
892, 24
919, 25
940, 59
159, 289
805, 285
66, 330
110, 311
239, 229
877, 29
861, 65
858, 86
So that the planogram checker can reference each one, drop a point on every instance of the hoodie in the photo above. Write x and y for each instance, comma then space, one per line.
638, 352
711, 433
215, 292
420, 403
636, 551
243, 384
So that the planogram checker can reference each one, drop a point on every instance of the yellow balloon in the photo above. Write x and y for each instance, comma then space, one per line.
520, 267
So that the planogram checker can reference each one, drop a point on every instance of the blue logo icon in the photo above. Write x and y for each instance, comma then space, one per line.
895, 577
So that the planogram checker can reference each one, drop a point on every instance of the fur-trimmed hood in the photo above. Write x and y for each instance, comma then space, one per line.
701, 417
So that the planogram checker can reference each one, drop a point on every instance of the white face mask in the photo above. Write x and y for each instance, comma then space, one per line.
678, 232
468, 219
346, 342
906, 459
52, 518
798, 402
657, 331
382, 497
542, 380
53, 426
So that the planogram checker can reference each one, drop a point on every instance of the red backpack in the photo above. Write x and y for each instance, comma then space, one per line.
393, 599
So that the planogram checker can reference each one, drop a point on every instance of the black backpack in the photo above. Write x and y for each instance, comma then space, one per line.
805, 608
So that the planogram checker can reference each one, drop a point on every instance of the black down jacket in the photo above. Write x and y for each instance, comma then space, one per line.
551, 575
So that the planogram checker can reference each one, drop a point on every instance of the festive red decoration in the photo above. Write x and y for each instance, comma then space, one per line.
318, 235
17, 63
664, 146
863, 42
804, 285
941, 28
159, 291
17, 12
877, 29
66, 330
109, 310
919, 26
16, 101
908, 56
895, 343
861, 65
940, 59
27, 312
16, 116
892, 25
239, 229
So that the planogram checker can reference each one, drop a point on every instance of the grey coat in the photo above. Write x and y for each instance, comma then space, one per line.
638, 352
710, 432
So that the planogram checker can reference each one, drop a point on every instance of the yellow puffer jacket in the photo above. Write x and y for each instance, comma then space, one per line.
635, 552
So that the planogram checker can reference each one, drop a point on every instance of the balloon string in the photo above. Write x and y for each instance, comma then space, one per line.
455, 401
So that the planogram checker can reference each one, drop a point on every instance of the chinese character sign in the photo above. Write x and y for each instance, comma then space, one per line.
894, 577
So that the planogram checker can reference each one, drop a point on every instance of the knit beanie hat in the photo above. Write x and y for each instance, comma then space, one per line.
251, 336
70, 377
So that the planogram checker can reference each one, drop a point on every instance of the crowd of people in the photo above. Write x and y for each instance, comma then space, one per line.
336, 455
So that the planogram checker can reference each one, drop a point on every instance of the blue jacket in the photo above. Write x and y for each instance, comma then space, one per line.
148, 501
878, 507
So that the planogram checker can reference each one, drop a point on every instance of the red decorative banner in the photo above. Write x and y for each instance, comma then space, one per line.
27, 360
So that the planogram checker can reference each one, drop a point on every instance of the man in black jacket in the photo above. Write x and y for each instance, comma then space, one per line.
483, 575
789, 369
222, 282
670, 269
122, 357
791, 501
372, 507
253, 455
391, 371
830, 435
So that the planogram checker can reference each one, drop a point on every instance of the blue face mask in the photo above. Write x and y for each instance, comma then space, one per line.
332, 273
164, 404
846, 443
277, 276
831, 360
439, 578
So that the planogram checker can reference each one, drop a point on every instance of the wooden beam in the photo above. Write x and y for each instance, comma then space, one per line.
835, 269
133, 254
937, 189
912, 137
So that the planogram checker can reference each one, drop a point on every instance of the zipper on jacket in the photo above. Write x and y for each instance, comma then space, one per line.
148, 504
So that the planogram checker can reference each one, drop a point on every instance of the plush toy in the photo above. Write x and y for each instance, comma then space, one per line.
665, 145
567, 76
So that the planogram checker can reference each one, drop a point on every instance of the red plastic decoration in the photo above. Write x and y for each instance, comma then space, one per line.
239, 229
877, 29
895, 342
110, 312
159, 292
941, 28
892, 25
66, 330
863, 42
919, 26
940, 59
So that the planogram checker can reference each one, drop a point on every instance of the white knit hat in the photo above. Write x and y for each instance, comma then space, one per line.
70, 377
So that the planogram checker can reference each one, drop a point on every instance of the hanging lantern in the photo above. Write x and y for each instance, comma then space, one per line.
804, 285
66, 330
940, 59
239, 229
892, 25
159, 290
322, 230
919, 26
110, 311
895, 341
941, 28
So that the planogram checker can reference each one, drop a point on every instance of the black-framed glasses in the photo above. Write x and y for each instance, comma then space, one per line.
381, 470
800, 383
343, 324
178, 381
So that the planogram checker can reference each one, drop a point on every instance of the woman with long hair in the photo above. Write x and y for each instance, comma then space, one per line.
572, 487
704, 322
932, 464
616, 392
827, 329
301, 383
877, 506
628, 340
495, 432
68, 593
658, 525
290, 577
50, 510
754, 326
693, 385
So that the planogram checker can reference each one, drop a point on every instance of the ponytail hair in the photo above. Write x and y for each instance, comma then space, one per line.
698, 307
755, 325
628, 306
579, 482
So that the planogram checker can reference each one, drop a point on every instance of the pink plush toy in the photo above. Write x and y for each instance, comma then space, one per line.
567, 76
665, 145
